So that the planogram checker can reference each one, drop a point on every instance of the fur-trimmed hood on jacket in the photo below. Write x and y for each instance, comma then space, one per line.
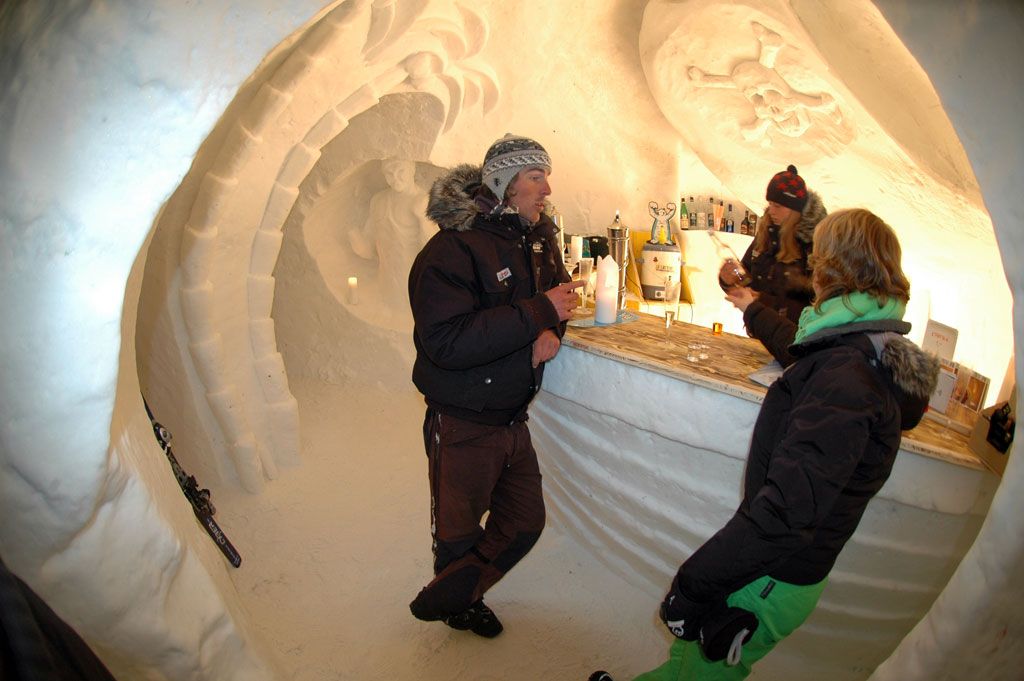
914, 373
813, 213
453, 202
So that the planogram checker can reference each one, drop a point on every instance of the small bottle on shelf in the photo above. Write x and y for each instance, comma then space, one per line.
719, 216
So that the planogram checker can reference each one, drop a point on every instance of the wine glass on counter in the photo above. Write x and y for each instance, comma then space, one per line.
582, 273
575, 253
673, 287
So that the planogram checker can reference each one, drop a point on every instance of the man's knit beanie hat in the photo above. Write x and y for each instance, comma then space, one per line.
508, 156
788, 189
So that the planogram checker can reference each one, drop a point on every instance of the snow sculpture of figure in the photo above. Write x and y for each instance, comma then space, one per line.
396, 227
775, 102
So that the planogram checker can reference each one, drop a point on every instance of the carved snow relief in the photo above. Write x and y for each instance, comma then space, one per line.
341, 67
726, 89
776, 105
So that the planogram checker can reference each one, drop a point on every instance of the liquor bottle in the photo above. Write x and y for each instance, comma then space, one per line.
728, 255
702, 215
693, 214
745, 225
684, 214
719, 216
730, 223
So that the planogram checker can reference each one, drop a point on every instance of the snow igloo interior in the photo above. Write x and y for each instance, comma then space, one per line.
188, 189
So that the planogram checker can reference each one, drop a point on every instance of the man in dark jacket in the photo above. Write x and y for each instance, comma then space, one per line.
490, 297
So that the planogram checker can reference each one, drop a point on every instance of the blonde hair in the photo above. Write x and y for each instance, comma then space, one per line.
854, 250
789, 248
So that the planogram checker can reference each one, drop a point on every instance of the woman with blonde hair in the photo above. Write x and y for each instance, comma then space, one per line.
778, 274
823, 445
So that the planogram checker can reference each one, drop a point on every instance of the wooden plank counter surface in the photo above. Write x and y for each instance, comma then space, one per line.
731, 359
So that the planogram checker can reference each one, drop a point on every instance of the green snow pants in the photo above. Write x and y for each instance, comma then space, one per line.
780, 609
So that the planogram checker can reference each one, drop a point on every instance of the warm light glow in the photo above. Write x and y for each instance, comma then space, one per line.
353, 284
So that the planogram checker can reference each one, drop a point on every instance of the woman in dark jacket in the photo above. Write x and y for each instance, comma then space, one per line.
775, 278
490, 297
824, 443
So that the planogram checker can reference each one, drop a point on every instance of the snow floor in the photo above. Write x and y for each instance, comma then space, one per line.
334, 550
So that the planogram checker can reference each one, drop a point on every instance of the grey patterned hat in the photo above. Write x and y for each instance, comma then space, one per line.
508, 156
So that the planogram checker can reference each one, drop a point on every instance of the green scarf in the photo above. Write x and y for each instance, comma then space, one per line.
853, 307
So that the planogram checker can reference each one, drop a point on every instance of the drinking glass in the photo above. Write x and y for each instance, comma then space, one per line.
582, 273
672, 288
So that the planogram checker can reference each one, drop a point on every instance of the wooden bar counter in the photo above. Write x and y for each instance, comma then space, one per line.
642, 453
731, 360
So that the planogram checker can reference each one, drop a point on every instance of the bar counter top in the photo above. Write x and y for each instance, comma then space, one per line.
730, 361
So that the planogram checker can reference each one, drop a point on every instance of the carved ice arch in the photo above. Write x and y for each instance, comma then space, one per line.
356, 53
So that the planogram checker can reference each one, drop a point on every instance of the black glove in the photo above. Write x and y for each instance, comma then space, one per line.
683, 616
719, 630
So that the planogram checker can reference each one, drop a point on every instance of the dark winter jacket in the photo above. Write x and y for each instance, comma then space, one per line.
786, 287
477, 295
824, 443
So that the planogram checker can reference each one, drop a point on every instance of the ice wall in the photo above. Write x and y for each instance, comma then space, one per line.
105, 106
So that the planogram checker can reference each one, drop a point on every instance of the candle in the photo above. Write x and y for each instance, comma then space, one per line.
353, 283
606, 291
575, 248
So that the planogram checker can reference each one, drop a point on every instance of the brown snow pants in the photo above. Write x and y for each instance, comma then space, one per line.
477, 469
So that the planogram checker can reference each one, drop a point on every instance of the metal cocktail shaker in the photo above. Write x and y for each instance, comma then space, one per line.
618, 248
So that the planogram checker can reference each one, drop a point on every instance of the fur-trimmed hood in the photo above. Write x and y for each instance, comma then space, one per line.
454, 204
913, 373
451, 204
813, 213
913, 370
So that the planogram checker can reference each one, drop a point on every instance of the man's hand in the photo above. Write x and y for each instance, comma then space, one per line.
545, 347
741, 297
564, 298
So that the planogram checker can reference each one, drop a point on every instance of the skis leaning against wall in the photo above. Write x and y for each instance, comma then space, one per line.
199, 498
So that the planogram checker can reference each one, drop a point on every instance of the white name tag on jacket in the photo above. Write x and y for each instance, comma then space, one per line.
504, 274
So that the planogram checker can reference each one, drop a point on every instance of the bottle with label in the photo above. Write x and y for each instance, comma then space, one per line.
730, 223
719, 211
693, 214
684, 214
712, 222
729, 256
702, 215
745, 225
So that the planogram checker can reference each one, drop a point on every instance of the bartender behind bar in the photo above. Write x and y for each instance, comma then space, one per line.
774, 276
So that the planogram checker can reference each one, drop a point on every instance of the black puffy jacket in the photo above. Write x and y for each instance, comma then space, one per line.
477, 295
824, 443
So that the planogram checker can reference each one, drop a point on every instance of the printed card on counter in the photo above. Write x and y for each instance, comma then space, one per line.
939, 340
767, 374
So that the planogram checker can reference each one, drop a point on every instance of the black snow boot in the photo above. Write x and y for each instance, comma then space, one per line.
477, 618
